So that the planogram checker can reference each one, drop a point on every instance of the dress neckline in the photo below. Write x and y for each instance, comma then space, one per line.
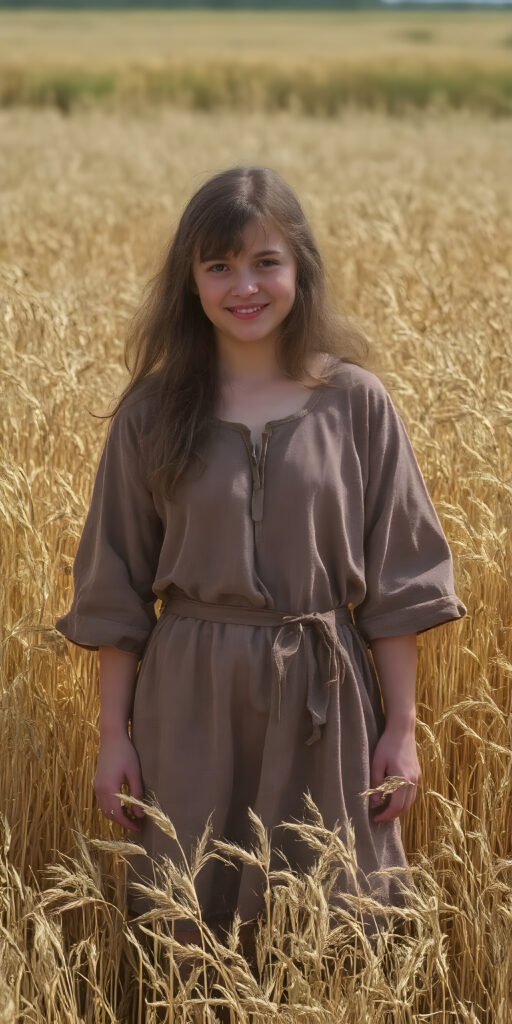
312, 400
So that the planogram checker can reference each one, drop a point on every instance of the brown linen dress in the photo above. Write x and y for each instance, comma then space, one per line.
236, 706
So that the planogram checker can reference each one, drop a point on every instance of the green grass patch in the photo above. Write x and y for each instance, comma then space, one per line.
417, 35
63, 89
240, 86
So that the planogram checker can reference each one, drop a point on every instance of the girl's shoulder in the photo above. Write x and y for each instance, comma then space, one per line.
358, 381
357, 395
138, 408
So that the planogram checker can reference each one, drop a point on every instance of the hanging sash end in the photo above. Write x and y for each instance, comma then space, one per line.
315, 735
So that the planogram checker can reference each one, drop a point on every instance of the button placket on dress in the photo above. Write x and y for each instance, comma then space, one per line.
258, 465
258, 471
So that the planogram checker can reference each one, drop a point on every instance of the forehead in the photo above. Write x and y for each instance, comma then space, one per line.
251, 237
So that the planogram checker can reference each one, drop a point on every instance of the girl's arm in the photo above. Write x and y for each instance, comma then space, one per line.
395, 659
118, 761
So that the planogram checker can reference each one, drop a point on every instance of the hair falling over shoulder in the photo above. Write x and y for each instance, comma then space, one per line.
171, 343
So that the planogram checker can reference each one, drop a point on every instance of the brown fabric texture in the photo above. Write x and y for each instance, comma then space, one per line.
235, 705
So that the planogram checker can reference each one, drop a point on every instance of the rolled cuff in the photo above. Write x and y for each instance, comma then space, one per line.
413, 619
94, 633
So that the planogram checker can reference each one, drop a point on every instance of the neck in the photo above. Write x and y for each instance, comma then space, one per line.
247, 364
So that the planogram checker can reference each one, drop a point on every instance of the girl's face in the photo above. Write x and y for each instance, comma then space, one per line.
247, 297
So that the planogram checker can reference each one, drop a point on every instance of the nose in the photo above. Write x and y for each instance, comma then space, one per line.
245, 284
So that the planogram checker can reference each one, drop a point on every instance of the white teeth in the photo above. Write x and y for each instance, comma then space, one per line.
253, 309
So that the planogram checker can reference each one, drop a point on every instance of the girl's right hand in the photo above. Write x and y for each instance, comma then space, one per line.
118, 763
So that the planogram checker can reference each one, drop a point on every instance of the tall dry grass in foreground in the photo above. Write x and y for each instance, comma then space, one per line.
414, 220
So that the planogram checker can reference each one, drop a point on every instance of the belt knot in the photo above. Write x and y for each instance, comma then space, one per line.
325, 656
332, 659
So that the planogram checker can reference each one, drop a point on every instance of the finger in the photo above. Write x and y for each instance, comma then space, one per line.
377, 776
377, 771
122, 819
115, 813
137, 792
126, 822
411, 796
399, 804
394, 807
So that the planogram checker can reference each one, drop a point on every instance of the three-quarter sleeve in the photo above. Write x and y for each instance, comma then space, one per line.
407, 561
118, 552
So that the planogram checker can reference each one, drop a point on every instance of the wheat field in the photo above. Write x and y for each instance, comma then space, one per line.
414, 217
313, 62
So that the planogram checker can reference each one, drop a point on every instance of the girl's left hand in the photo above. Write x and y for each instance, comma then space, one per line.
395, 754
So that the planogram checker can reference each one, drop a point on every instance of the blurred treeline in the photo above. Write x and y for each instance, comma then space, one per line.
253, 5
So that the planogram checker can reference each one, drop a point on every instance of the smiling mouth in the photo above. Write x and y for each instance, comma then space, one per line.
247, 310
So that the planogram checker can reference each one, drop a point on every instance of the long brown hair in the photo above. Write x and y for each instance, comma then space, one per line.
171, 343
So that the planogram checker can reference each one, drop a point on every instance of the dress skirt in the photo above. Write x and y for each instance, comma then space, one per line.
225, 731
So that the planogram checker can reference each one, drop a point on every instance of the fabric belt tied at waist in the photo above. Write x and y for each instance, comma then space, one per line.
332, 656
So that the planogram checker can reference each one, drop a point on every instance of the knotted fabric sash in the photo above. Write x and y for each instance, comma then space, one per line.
326, 657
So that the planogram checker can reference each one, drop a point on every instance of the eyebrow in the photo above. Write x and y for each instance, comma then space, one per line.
257, 255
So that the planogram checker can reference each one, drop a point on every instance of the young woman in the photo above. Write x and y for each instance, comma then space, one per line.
260, 483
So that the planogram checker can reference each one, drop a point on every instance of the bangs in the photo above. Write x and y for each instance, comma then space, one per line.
222, 232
